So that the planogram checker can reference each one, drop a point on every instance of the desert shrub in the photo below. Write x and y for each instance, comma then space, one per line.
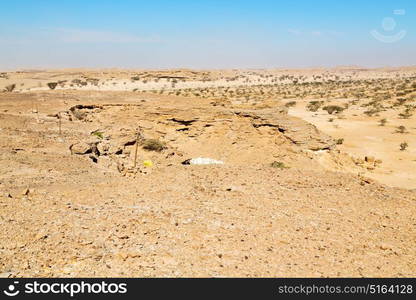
400, 101
135, 78
333, 109
383, 122
93, 81
314, 105
403, 146
278, 165
290, 104
10, 87
79, 82
52, 85
339, 141
406, 114
372, 111
401, 129
153, 145
98, 134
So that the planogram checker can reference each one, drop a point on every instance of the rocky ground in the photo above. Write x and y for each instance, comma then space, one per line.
97, 183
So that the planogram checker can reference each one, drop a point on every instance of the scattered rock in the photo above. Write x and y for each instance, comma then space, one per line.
370, 159
6, 274
81, 112
234, 189
385, 247
82, 148
202, 161
365, 180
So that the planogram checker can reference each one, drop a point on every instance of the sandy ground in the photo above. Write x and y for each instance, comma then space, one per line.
288, 201
365, 137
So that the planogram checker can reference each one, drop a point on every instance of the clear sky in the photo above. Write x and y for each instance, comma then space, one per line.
206, 33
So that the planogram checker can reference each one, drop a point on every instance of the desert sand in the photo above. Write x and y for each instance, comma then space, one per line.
317, 176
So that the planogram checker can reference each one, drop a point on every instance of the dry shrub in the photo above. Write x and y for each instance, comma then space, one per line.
153, 145
333, 109
52, 85
10, 87
314, 105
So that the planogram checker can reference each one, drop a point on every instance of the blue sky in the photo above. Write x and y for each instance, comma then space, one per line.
206, 34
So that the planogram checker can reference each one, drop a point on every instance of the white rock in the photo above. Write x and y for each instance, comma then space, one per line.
205, 161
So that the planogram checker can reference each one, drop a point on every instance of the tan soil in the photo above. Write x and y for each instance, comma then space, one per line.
318, 214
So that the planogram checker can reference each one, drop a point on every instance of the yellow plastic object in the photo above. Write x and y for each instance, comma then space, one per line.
148, 163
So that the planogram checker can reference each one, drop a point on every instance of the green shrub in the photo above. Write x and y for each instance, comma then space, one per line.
98, 134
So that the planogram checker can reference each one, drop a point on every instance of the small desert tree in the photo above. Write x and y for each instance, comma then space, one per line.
10, 87
52, 85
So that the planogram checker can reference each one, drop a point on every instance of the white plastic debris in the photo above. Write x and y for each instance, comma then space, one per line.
205, 161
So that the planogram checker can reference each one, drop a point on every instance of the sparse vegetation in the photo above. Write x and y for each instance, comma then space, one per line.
333, 109
403, 146
314, 105
10, 88
153, 145
98, 134
401, 129
406, 114
52, 85
261, 154
290, 104
278, 165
